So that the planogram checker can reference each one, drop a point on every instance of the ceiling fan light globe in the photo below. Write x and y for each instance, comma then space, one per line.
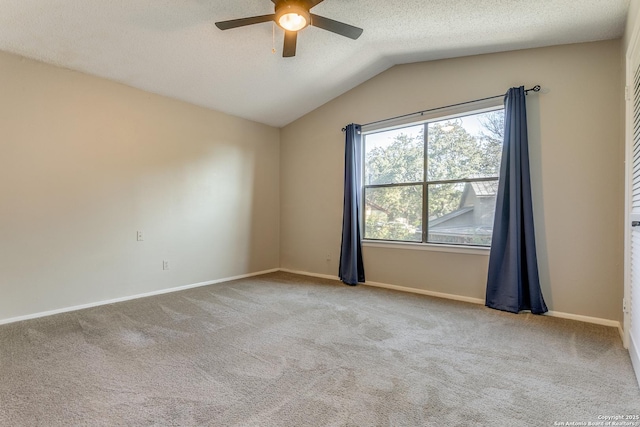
292, 17
292, 21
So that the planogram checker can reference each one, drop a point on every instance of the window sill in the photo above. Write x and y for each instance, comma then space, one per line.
473, 250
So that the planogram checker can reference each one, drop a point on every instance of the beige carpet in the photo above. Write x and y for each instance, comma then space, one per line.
287, 350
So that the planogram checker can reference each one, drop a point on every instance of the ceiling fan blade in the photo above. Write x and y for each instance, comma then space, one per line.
235, 23
336, 26
290, 41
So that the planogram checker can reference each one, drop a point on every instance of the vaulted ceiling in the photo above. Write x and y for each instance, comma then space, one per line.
172, 48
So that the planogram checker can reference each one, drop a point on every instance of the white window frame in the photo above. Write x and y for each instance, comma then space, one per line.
440, 114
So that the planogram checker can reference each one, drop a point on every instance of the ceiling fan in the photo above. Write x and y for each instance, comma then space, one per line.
293, 16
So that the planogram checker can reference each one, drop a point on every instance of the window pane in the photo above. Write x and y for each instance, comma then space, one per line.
394, 213
462, 213
465, 147
394, 156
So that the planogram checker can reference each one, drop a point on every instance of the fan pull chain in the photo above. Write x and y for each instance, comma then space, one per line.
273, 37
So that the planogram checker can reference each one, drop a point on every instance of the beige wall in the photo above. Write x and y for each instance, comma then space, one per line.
85, 163
576, 171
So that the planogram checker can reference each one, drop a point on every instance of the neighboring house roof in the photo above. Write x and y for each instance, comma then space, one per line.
485, 188
480, 189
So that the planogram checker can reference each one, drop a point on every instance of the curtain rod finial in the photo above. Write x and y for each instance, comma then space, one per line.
536, 88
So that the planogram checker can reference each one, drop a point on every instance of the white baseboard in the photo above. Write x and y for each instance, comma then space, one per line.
306, 273
131, 297
426, 292
634, 352
586, 319
578, 317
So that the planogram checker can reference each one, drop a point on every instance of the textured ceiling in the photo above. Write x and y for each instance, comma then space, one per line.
172, 48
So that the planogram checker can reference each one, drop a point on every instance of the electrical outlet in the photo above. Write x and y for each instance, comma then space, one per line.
328, 256
165, 265
139, 236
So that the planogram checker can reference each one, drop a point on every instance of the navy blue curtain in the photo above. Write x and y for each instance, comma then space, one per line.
351, 270
513, 283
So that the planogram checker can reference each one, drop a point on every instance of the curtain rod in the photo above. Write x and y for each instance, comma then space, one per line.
536, 88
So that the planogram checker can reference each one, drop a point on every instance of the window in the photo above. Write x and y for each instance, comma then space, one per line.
434, 181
